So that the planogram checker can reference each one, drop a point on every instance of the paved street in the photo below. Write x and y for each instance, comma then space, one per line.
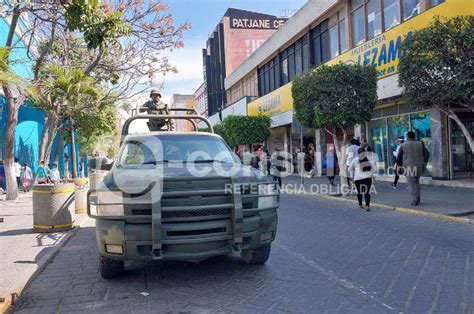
328, 256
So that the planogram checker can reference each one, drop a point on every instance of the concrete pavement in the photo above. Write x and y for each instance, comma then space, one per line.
24, 252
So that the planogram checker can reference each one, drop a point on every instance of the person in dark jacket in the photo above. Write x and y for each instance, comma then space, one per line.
413, 156
3, 183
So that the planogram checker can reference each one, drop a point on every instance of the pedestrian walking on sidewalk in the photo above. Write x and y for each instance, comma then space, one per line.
413, 156
331, 164
26, 177
362, 169
397, 169
351, 153
17, 168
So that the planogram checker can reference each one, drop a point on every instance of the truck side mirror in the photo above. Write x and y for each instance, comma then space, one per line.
101, 163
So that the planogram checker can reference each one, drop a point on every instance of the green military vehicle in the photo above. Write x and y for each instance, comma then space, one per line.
180, 196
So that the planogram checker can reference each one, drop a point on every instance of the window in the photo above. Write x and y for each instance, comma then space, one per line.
298, 58
436, 2
410, 8
374, 19
343, 35
391, 12
334, 40
306, 54
316, 45
291, 63
358, 26
284, 71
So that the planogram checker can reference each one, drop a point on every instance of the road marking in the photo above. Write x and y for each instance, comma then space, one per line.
330, 274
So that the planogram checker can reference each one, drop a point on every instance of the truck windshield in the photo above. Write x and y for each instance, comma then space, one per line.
174, 148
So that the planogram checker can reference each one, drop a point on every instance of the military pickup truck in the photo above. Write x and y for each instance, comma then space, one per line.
180, 196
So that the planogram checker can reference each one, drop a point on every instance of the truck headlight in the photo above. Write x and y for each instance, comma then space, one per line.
270, 201
106, 203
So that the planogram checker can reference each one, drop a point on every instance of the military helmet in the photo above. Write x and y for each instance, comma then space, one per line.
155, 92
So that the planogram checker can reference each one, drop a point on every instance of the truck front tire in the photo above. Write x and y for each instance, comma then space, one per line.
256, 256
110, 268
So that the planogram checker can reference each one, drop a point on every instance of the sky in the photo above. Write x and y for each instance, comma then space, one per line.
204, 15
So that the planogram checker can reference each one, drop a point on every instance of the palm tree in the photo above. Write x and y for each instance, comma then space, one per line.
66, 92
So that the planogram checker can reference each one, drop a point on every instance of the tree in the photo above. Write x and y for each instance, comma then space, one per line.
246, 129
336, 97
436, 67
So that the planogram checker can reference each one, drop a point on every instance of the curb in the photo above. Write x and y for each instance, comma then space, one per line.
415, 212
42, 263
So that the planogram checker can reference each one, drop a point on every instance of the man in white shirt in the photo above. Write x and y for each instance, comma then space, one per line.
54, 175
17, 169
395, 154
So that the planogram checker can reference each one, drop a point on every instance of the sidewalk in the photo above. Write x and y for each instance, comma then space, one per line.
455, 202
24, 253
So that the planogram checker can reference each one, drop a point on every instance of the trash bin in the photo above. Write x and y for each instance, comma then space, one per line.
53, 207
80, 194
95, 178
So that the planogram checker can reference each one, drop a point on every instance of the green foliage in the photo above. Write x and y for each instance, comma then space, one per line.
436, 63
246, 129
342, 96
82, 101
7, 76
98, 26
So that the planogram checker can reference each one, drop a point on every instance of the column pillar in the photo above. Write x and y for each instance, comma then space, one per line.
439, 145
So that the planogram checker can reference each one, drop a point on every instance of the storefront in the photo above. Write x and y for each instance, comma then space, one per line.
391, 123
462, 157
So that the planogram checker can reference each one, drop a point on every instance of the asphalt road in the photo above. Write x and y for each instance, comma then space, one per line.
328, 257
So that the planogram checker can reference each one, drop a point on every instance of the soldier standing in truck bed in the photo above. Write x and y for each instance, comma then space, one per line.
156, 106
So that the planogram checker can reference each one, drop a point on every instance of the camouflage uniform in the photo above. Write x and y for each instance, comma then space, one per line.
159, 108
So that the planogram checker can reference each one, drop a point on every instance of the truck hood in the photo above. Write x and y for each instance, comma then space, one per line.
138, 178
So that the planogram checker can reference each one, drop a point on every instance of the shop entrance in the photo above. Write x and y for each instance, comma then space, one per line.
461, 155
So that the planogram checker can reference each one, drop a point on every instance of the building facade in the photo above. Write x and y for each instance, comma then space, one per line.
361, 32
183, 102
235, 38
30, 120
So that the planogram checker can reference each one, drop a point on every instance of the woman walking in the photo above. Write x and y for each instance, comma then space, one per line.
362, 169
26, 177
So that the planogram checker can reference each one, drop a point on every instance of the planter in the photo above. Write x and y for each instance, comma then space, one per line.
80, 194
95, 178
53, 207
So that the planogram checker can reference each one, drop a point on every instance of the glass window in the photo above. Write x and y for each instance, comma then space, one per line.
342, 35
317, 50
306, 57
298, 62
272, 77
374, 19
397, 126
284, 71
325, 48
410, 8
356, 4
436, 2
421, 125
358, 26
378, 141
391, 12
334, 41
267, 80
291, 67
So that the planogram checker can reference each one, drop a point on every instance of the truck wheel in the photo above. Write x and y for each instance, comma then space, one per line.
110, 268
256, 256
